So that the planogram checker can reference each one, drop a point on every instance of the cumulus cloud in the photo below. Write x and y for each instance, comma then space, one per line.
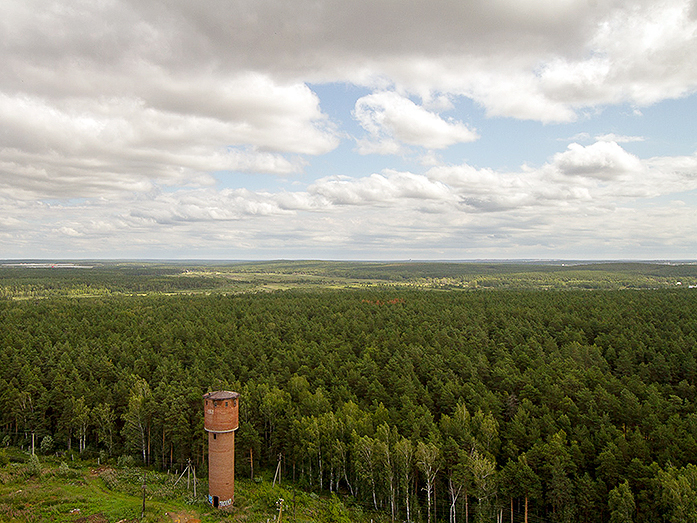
379, 188
537, 60
602, 160
77, 147
391, 119
581, 178
532, 210
635, 54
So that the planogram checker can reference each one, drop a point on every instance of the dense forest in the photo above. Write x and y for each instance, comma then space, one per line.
563, 405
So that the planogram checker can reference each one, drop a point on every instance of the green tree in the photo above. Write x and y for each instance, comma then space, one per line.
428, 460
80, 418
386, 439
366, 463
679, 493
103, 418
459, 478
527, 482
483, 470
137, 417
621, 504
404, 455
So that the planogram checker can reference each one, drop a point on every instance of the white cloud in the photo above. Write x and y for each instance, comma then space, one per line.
517, 94
602, 160
391, 119
531, 211
638, 53
379, 189
79, 147
612, 137
533, 60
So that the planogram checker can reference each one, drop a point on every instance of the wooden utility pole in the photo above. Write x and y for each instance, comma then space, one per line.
278, 471
142, 512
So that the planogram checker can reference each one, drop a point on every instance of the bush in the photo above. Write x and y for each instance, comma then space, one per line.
34, 466
110, 478
64, 471
46, 445
126, 462
336, 512
4, 458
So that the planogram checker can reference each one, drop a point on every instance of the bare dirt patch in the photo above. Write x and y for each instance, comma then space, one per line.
183, 517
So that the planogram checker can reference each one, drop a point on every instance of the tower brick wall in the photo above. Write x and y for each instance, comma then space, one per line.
221, 410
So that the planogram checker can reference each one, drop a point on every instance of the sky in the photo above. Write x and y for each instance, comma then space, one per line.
348, 130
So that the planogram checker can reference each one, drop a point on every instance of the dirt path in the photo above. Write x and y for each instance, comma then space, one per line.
183, 517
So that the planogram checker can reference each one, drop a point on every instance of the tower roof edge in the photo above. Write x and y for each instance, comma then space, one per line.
221, 395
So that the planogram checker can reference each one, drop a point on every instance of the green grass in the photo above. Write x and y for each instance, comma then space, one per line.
85, 493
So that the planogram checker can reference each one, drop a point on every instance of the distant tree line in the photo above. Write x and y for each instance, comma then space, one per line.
565, 406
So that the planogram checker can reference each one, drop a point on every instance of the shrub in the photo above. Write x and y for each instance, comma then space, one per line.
64, 471
109, 477
336, 512
34, 466
126, 461
46, 445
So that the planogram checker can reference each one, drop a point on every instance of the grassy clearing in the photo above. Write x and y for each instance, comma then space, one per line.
45, 490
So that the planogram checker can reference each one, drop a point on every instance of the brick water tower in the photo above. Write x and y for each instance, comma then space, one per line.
221, 422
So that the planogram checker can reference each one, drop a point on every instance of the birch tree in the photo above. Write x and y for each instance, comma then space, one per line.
136, 417
404, 454
364, 448
483, 474
386, 439
103, 418
428, 461
80, 420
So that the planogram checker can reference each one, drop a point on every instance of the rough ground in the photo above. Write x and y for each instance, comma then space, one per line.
183, 517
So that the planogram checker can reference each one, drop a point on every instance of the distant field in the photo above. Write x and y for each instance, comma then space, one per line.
89, 278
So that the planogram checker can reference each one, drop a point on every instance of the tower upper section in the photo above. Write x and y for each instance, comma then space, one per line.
221, 410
